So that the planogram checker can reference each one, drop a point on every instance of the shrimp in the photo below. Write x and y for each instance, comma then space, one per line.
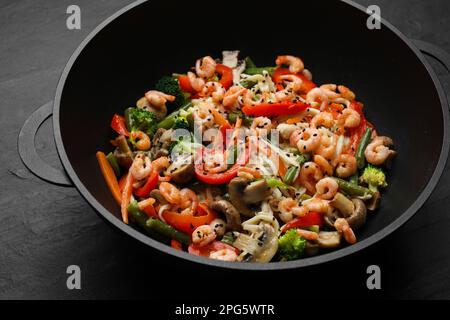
343, 227
323, 119
249, 98
307, 140
286, 130
330, 91
377, 152
289, 207
308, 75
141, 167
144, 142
196, 83
345, 165
231, 96
327, 146
219, 226
346, 93
213, 89
203, 116
295, 64
308, 235
318, 205
224, 255
323, 164
326, 188
310, 174
170, 192
161, 164
294, 84
261, 125
205, 67
188, 201
203, 235
317, 94
249, 173
349, 118
158, 99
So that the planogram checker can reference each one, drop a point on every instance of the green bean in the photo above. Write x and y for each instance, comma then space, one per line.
153, 226
359, 155
114, 164
303, 157
128, 119
253, 71
290, 175
232, 117
353, 190
273, 182
168, 231
249, 63
169, 121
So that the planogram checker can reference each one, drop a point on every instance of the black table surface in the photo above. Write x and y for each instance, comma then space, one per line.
45, 228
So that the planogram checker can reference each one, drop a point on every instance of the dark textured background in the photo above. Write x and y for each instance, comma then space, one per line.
45, 228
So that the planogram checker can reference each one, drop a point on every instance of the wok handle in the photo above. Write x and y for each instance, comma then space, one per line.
435, 52
27, 148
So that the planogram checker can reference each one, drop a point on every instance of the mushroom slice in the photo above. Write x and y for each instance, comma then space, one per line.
231, 214
354, 211
236, 189
182, 171
358, 216
329, 239
256, 191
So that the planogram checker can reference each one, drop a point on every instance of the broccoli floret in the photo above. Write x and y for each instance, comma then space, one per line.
181, 123
291, 245
169, 85
141, 119
374, 177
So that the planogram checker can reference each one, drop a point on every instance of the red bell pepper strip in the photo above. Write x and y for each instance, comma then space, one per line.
118, 124
187, 222
205, 251
307, 86
185, 84
218, 178
151, 183
275, 109
226, 75
176, 245
310, 219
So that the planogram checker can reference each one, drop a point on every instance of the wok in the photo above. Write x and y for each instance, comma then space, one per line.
125, 55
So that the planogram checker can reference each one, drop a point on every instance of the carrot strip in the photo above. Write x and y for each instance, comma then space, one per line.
126, 196
109, 176
281, 168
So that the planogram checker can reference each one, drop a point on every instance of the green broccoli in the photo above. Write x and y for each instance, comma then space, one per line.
141, 119
169, 85
374, 177
291, 245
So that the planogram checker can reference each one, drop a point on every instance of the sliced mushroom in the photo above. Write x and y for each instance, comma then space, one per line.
123, 152
329, 239
354, 211
243, 193
256, 191
374, 202
161, 143
160, 113
182, 171
311, 249
358, 216
231, 214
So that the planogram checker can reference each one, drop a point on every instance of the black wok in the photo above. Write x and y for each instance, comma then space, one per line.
125, 55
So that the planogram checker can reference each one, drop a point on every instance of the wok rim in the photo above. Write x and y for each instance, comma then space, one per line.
324, 258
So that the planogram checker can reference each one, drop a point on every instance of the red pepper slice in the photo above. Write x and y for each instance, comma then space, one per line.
226, 75
118, 124
185, 84
208, 249
275, 109
187, 222
308, 85
310, 219
218, 178
151, 183
176, 245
